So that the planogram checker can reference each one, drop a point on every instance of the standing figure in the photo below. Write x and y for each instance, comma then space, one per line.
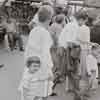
92, 69
73, 68
10, 26
68, 36
39, 44
55, 31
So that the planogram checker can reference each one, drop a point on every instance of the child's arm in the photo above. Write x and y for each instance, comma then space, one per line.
25, 81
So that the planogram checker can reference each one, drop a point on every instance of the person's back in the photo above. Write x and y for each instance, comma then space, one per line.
69, 33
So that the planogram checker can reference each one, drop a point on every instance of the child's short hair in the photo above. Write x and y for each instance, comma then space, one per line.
33, 59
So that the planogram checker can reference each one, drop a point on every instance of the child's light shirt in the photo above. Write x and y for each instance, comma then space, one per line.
91, 62
38, 84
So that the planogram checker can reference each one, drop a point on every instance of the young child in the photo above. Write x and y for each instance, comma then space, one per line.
35, 85
90, 84
92, 69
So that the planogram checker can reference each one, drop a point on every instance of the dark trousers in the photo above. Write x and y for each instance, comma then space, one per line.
59, 62
18, 39
13, 39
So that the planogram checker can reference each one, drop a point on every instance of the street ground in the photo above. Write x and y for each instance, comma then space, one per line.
10, 77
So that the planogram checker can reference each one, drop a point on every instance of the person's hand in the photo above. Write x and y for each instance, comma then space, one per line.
51, 78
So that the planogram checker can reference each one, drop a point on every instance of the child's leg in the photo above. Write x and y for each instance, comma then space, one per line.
94, 81
70, 84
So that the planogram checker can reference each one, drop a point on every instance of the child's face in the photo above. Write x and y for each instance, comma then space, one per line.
34, 67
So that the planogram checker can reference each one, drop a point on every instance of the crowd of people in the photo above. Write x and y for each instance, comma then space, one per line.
10, 33
58, 50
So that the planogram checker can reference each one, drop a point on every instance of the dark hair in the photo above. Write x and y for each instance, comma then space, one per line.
94, 47
81, 15
65, 11
46, 3
32, 60
59, 19
58, 10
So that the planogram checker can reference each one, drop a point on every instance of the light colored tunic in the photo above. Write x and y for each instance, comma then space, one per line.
69, 34
84, 33
91, 62
39, 44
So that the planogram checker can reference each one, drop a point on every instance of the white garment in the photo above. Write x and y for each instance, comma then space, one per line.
69, 34
84, 36
91, 63
84, 33
39, 44
37, 86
